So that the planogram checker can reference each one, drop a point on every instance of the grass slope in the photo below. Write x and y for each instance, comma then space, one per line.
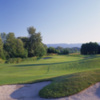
70, 84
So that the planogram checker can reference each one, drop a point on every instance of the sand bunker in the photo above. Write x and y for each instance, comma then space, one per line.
30, 92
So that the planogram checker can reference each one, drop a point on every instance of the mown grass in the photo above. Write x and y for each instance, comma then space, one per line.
60, 69
34, 70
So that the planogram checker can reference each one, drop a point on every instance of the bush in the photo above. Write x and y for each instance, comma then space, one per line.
1, 61
14, 60
30, 59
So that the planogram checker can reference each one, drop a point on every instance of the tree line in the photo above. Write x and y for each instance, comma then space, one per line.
30, 46
23, 47
61, 50
12, 47
90, 48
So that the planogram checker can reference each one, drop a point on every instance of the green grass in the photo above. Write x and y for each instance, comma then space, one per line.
61, 69
70, 84
31, 71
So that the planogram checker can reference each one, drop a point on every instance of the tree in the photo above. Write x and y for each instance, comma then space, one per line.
10, 45
14, 47
25, 41
40, 50
65, 51
1, 49
60, 49
31, 30
89, 48
3, 37
52, 50
20, 51
35, 41
23, 46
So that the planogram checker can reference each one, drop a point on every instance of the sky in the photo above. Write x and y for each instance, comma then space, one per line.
59, 21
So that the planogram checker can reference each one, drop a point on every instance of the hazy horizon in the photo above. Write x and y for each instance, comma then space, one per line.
59, 21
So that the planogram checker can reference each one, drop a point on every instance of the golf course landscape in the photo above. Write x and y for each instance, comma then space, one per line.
69, 74
50, 50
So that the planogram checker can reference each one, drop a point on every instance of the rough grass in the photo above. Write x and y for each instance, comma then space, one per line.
70, 84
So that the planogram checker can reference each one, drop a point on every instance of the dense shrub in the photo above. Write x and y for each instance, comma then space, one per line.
1, 61
14, 60
30, 59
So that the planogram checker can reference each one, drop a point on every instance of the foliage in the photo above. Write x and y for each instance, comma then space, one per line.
61, 50
29, 59
20, 51
52, 50
64, 51
36, 47
89, 48
14, 47
73, 50
10, 45
70, 50
3, 37
14, 60
25, 41
1, 50
2, 61
40, 50
23, 47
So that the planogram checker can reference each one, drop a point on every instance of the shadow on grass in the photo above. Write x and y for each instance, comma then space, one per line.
47, 58
43, 64
26, 65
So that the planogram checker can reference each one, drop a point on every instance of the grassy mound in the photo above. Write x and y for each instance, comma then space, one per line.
70, 84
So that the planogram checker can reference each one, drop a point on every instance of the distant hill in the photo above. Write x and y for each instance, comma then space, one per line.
64, 45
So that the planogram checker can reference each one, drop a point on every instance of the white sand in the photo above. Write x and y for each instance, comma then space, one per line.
30, 92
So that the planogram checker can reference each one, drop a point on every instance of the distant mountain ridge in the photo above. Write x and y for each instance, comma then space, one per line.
65, 45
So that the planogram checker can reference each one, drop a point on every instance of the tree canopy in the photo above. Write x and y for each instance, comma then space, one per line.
1, 49
22, 46
90, 48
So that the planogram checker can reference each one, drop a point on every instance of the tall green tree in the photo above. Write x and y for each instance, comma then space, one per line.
14, 47
20, 51
31, 30
10, 45
35, 41
1, 49
25, 41
3, 37
40, 50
